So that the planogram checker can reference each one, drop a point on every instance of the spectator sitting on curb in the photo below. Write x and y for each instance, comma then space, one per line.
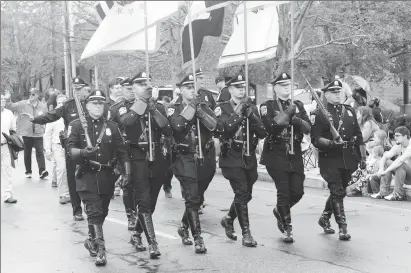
360, 183
380, 138
401, 169
367, 123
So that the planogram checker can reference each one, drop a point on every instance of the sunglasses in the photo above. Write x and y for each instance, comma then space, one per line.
33, 94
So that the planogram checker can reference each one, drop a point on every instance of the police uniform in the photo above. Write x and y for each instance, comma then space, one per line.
207, 170
224, 95
147, 176
183, 119
128, 192
287, 170
68, 111
338, 159
95, 175
239, 169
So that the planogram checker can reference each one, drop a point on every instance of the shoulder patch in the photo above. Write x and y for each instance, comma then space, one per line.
108, 114
68, 130
263, 110
122, 110
170, 111
217, 111
108, 131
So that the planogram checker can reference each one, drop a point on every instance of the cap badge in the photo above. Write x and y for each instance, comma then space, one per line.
190, 77
98, 93
143, 74
284, 76
336, 83
76, 80
240, 78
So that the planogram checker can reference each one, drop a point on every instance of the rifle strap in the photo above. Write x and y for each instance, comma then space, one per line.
340, 121
100, 137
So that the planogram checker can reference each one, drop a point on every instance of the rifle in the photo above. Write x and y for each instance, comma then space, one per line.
324, 112
82, 118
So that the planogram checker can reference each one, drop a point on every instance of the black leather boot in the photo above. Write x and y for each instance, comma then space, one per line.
135, 239
242, 214
279, 222
131, 217
228, 223
148, 227
285, 215
194, 220
101, 248
90, 243
324, 220
183, 231
339, 214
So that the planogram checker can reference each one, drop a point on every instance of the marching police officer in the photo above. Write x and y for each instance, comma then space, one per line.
69, 112
236, 165
183, 118
146, 175
286, 169
128, 192
337, 135
207, 170
95, 154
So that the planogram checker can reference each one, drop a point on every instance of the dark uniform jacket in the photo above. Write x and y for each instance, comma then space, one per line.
234, 136
224, 95
350, 132
111, 147
277, 143
68, 111
207, 96
133, 128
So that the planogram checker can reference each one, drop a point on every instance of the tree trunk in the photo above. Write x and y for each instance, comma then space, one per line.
53, 43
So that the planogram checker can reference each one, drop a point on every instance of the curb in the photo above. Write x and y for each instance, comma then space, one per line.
312, 181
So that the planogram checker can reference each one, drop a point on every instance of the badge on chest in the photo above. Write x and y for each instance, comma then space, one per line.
108, 132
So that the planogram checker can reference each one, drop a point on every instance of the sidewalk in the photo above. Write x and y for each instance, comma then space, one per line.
313, 179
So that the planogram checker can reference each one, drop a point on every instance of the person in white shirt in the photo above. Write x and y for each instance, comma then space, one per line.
54, 151
401, 167
8, 122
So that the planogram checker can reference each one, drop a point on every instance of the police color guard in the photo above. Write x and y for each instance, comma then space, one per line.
337, 135
143, 141
236, 166
286, 169
183, 118
95, 175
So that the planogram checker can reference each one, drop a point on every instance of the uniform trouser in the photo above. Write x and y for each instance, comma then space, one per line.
241, 181
140, 176
206, 172
6, 172
185, 170
71, 182
402, 174
37, 143
59, 157
167, 180
337, 180
289, 184
95, 206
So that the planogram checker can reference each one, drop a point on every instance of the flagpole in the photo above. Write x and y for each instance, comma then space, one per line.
190, 28
292, 71
150, 150
246, 72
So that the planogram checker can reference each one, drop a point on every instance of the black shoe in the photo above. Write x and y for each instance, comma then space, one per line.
44, 174
101, 259
199, 245
28, 174
227, 224
10, 200
343, 234
242, 215
148, 227
78, 217
90, 243
185, 235
285, 216
326, 225
168, 194
137, 242
279, 224
200, 211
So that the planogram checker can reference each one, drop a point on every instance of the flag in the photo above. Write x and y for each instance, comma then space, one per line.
102, 8
261, 44
207, 20
122, 30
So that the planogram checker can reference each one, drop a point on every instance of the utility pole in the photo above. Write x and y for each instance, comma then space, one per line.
67, 62
72, 47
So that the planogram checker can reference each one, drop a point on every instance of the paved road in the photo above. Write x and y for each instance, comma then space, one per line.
39, 235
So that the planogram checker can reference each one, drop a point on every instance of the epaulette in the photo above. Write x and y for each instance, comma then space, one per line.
69, 100
222, 102
110, 121
74, 121
117, 103
349, 107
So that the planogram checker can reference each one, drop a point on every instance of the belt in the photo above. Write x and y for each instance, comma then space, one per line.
96, 166
134, 145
